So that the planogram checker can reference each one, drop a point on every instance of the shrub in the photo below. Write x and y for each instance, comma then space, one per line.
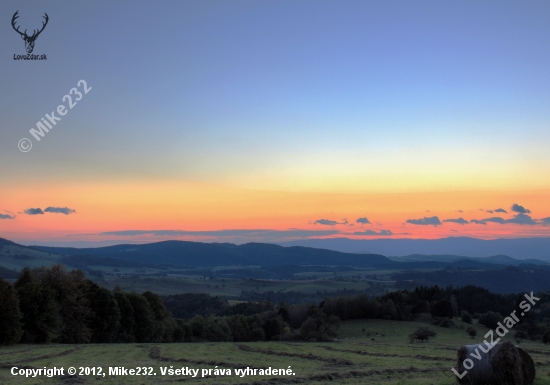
471, 332
546, 337
466, 317
443, 322
422, 333
319, 326
490, 319
520, 335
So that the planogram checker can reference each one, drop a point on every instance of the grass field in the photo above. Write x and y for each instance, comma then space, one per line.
355, 358
17, 257
233, 287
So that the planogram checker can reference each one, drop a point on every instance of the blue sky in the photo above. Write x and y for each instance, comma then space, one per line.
296, 96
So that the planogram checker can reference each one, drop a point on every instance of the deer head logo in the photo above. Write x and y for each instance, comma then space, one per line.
29, 40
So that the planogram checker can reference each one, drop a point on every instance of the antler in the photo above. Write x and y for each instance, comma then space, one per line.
13, 19
35, 34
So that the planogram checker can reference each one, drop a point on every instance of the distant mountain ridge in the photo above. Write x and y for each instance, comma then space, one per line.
262, 254
495, 259
269, 261
519, 248
226, 254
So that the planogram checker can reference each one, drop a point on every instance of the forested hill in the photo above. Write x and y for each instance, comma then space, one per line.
5, 242
509, 279
198, 254
519, 248
226, 254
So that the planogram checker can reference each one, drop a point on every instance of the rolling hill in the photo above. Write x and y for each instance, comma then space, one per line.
499, 273
519, 248
182, 253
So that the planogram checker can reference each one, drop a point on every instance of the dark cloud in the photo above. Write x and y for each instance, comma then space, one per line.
495, 220
460, 221
499, 210
59, 210
363, 220
522, 219
519, 219
545, 221
489, 211
385, 233
520, 209
460, 211
32, 211
329, 222
478, 222
326, 222
6, 216
426, 221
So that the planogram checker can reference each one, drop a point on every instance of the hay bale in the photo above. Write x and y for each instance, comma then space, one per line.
527, 366
503, 364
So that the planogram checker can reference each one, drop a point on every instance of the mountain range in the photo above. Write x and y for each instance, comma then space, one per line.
499, 273
519, 248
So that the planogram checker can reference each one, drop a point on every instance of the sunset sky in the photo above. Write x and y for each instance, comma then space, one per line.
269, 121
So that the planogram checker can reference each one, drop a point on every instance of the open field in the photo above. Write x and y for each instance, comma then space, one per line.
234, 287
355, 358
17, 257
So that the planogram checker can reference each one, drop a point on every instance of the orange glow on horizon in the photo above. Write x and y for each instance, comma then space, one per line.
175, 205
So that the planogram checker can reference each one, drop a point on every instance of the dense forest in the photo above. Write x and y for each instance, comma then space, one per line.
55, 305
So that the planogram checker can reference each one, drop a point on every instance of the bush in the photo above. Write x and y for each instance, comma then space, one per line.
422, 333
520, 335
546, 337
319, 326
490, 319
466, 317
443, 322
530, 328
471, 332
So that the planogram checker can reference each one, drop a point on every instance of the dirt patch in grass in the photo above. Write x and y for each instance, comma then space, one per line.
363, 353
16, 351
532, 351
335, 361
4, 365
155, 354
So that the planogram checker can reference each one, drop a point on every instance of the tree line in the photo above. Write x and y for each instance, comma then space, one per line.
56, 305
53, 304
443, 304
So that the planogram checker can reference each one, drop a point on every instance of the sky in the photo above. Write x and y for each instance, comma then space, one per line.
269, 121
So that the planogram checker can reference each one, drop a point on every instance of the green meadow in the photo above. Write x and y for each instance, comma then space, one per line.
381, 354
